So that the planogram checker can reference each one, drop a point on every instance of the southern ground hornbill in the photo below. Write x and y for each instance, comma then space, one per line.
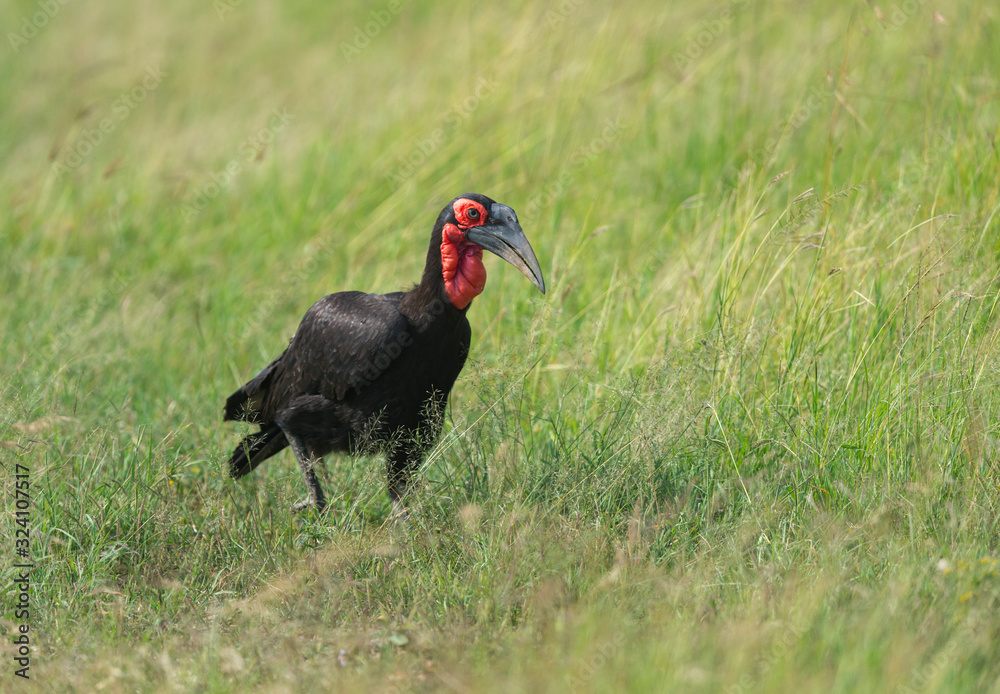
371, 373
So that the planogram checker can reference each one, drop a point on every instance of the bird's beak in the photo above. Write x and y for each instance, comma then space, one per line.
503, 236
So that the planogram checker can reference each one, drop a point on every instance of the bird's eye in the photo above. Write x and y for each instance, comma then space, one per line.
473, 213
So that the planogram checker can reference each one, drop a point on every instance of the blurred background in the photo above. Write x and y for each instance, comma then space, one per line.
183, 160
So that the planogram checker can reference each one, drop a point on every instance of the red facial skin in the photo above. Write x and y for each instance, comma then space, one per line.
461, 260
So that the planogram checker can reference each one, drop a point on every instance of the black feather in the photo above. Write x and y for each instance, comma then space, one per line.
255, 449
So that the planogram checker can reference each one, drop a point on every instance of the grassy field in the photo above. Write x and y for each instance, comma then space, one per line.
748, 442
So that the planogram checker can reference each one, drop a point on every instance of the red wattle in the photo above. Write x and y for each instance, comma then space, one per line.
462, 267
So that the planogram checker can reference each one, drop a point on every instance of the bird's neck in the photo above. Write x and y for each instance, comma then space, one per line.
453, 276
462, 267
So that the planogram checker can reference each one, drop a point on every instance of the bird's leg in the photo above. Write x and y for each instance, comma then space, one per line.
307, 465
400, 464
399, 511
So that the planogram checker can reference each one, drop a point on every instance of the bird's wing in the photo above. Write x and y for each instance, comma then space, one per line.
344, 342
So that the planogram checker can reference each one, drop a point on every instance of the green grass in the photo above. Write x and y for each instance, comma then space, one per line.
748, 442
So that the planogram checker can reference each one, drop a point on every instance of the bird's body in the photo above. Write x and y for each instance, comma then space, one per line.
371, 373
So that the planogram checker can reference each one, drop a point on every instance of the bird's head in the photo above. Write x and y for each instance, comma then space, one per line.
469, 224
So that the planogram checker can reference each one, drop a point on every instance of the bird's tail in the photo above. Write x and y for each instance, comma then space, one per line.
255, 449
245, 404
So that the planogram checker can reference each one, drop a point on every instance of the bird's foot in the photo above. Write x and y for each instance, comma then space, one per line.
399, 513
307, 503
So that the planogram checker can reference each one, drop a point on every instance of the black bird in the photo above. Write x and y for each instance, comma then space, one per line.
371, 373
